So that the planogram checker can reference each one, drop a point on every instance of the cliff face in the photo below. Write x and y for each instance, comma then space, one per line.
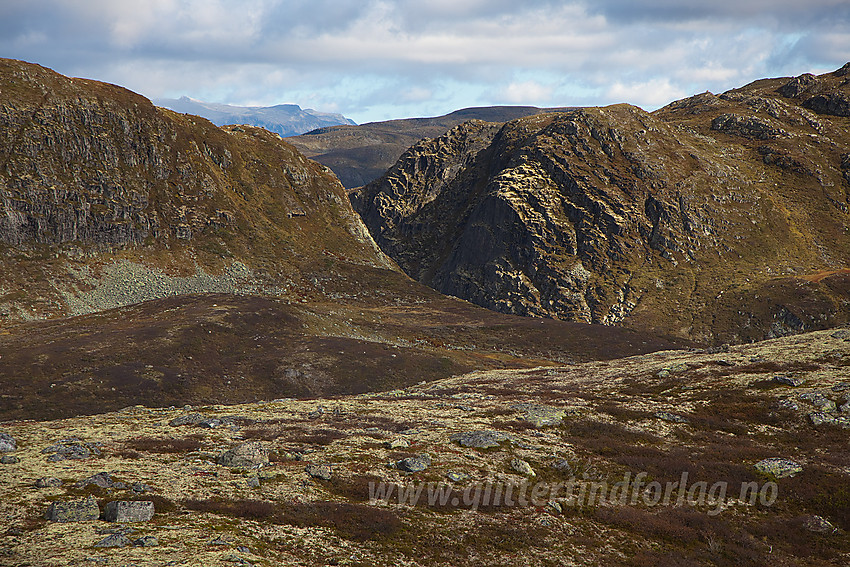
700, 219
89, 169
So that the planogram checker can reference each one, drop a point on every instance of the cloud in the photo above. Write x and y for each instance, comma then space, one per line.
380, 58
527, 93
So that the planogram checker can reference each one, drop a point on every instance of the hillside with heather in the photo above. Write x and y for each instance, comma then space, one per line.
152, 257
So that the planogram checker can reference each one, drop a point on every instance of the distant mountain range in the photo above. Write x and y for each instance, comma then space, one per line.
283, 119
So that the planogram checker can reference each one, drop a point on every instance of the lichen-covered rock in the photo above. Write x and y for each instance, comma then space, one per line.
246, 455
522, 467
414, 464
779, 467
114, 540
188, 419
129, 511
671, 417
322, 472
75, 511
480, 439
541, 415
71, 449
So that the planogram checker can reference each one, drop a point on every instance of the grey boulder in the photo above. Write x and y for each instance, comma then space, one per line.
129, 511
245, 455
76, 511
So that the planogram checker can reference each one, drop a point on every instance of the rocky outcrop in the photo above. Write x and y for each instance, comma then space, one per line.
88, 169
617, 216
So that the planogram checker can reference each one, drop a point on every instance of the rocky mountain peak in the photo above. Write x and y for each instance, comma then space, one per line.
669, 220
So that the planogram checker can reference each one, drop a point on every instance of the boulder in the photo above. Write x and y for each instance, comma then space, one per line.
7, 442
247, 455
70, 449
113, 540
397, 443
522, 467
480, 439
541, 415
101, 479
188, 419
818, 525
75, 511
671, 417
414, 464
788, 380
322, 472
146, 541
129, 511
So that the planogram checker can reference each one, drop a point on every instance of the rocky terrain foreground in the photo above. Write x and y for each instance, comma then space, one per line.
288, 481
718, 218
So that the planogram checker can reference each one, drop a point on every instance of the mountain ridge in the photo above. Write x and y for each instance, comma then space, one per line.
283, 119
702, 219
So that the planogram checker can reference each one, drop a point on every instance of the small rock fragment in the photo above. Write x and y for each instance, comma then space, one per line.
414, 464
146, 541
129, 511
75, 511
9, 460
779, 467
522, 467
253, 482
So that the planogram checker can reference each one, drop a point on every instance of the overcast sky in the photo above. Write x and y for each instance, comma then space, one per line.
375, 60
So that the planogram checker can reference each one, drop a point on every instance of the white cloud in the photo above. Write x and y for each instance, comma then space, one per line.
384, 58
527, 93
648, 94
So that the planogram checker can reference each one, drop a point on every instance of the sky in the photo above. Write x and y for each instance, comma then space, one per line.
378, 59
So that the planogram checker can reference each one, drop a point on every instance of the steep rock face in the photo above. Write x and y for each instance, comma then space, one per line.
88, 168
617, 216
